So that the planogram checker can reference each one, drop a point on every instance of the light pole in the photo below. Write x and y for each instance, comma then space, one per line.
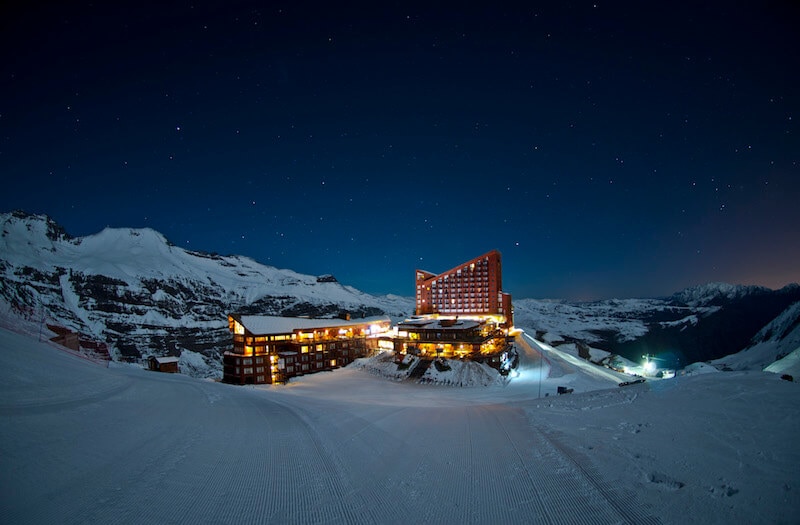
540, 373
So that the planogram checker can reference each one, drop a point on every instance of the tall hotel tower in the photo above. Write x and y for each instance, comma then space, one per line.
474, 288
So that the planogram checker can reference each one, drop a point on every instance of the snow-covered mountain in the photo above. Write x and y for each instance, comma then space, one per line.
776, 347
716, 294
697, 324
134, 290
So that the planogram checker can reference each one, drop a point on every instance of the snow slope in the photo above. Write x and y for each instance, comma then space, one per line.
778, 340
82, 443
786, 365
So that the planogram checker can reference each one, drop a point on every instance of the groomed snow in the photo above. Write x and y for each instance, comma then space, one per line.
82, 443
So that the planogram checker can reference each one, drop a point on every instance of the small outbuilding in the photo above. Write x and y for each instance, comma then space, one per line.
65, 337
163, 364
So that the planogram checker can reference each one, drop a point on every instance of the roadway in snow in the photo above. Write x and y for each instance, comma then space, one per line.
81, 443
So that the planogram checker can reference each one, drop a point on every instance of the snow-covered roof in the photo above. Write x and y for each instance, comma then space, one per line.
440, 324
165, 360
417, 322
267, 324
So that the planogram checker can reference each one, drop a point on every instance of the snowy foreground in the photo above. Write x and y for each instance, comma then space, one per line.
82, 443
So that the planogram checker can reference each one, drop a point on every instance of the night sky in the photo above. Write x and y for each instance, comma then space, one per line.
606, 149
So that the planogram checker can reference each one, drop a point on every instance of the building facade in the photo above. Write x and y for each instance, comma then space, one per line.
462, 313
269, 349
474, 288
450, 337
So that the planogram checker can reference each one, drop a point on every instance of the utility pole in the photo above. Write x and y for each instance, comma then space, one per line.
41, 320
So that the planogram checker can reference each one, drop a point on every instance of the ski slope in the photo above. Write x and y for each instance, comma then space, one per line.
81, 443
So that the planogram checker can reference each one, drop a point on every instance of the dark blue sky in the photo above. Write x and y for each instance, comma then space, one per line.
607, 150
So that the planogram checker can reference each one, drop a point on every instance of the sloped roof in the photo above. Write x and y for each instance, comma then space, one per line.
165, 360
430, 275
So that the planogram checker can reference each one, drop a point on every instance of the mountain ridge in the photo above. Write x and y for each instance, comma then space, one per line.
143, 295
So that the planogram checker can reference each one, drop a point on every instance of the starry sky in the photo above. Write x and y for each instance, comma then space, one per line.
620, 149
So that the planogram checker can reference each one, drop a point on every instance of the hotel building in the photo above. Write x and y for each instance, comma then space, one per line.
461, 313
472, 288
269, 349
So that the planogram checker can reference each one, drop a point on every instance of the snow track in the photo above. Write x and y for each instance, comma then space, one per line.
598, 489
128, 446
